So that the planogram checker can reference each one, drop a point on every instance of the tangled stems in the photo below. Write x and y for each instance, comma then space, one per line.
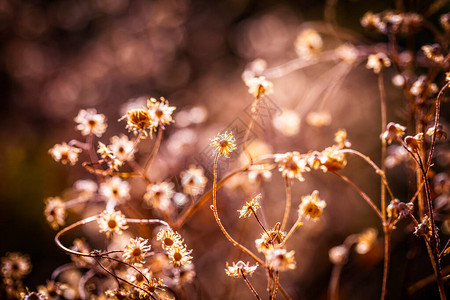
216, 216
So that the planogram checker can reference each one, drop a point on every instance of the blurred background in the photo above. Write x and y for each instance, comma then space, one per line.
57, 57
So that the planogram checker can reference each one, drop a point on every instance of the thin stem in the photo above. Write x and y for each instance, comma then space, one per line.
361, 193
374, 166
216, 216
383, 143
287, 209
334, 281
292, 230
249, 285
152, 156
387, 242
259, 222
275, 287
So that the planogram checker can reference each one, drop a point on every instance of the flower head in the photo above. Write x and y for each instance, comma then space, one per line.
318, 119
89, 122
15, 265
193, 181
311, 206
65, 153
292, 165
159, 195
280, 259
122, 147
393, 131
109, 156
179, 255
270, 239
112, 222
338, 255
139, 121
223, 144
250, 207
259, 86
308, 43
377, 62
160, 111
414, 142
366, 240
115, 190
239, 268
168, 238
135, 251
55, 212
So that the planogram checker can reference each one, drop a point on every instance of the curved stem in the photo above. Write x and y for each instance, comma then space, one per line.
216, 216
250, 286
361, 193
152, 156
287, 209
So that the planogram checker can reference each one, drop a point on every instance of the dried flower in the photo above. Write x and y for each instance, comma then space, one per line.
55, 212
338, 255
291, 165
115, 190
108, 156
366, 240
331, 159
179, 255
193, 181
433, 52
279, 259
52, 290
398, 209
393, 131
424, 229
160, 111
270, 239
440, 133
414, 142
340, 137
239, 268
89, 122
421, 84
259, 86
139, 121
15, 265
308, 43
168, 238
159, 195
377, 62
122, 147
135, 251
223, 144
311, 206
347, 52
65, 153
112, 222
250, 207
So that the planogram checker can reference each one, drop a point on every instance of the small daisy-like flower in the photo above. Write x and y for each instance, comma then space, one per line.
287, 123
108, 156
136, 250
115, 189
112, 222
338, 255
318, 119
366, 240
308, 43
65, 153
311, 206
193, 181
239, 268
223, 144
377, 62
179, 255
52, 290
250, 207
159, 195
168, 238
139, 121
291, 165
270, 239
15, 265
55, 212
393, 131
85, 188
122, 147
152, 286
259, 86
414, 142
280, 260
160, 111
89, 122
